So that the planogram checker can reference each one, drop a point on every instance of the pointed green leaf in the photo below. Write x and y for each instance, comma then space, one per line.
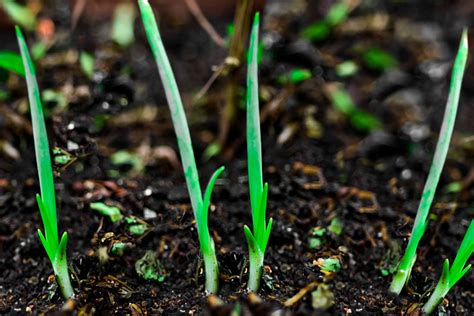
465, 250
50, 228
60, 257
20, 14
455, 278
441, 151
43, 158
253, 246
267, 235
259, 229
254, 146
207, 195
47, 247
175, 104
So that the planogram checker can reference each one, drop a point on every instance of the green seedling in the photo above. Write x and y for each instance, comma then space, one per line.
421, 220
149, 267
295, 76
450, 276
378, 59
122, 25
87, 62
257, 242
342, 102
329, 265
19, 14
319, 30
199, 203
55, 248
346, 69
111, 212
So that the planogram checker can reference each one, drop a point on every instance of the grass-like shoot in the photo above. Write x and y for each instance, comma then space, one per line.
421, 221
55, 248
199, 203
450, 276
258, 240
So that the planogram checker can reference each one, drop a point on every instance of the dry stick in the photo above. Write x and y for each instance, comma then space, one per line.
205, 24
77, 13
234, 61
301, 293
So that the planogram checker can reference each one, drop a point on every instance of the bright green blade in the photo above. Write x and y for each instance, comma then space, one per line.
175, 104
43, 158
441, 151
445, 133
11, 61
254, 146
458, 268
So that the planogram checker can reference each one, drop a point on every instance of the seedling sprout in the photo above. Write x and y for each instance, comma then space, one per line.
257, 242
199, 202
450, 276
55, 248
421, 220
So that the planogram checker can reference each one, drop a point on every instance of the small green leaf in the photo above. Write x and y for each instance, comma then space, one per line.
60, 257
122, 26
212, 150
136, 226
253, 247
149, 267
87, 64
364, 121
347, 68
329, 265
38, 50
118, 248
62, 157
19, 14
267, 234
11, 61
59, 98
295, 76
318, 231
342, 101
203, 214
314, 243
454, 187
317, 31
112, 212
378, 59
337, 14
124, 157
336, 226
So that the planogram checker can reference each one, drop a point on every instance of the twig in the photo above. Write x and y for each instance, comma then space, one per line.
77, 12
205, 24
296, 298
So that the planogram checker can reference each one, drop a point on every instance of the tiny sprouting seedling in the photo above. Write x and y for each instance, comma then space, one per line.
19, 14
55, 248
421, 220
257, 242
378, 59
449, 277
320, 29
199, 203
342, 102
122, 24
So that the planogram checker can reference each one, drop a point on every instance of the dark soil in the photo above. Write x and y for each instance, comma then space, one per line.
372, 182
